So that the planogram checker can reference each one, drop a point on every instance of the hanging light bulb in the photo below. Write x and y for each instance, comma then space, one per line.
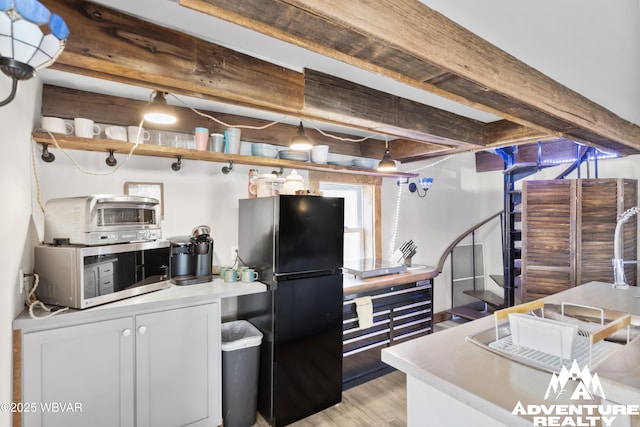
158, 111
301, 142
387, 164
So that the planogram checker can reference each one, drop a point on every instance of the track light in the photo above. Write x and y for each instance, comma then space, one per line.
158, 111
387, 164
301, 142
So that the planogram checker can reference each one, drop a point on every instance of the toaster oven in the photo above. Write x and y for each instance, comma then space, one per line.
101, 220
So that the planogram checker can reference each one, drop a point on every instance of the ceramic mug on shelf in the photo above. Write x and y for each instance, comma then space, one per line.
56, 125
118, 133
132, 134
85, 128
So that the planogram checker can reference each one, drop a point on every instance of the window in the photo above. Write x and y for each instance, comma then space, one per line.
354, 232
361, 210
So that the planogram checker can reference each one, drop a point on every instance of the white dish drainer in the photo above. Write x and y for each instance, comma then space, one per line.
589, 347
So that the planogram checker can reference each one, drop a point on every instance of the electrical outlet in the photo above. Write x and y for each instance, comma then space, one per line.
234, 252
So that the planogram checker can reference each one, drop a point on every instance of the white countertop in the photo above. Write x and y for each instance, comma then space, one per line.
173, 295
494, 384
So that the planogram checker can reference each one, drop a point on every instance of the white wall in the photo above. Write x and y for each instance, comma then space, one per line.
16, 226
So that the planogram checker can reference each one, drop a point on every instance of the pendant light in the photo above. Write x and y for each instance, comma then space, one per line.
158, 111
387, 164
301, 142
31, 38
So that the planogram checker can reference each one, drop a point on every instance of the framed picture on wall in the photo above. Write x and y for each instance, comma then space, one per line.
147, 189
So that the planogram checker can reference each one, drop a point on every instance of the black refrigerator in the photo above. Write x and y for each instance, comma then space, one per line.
296, 245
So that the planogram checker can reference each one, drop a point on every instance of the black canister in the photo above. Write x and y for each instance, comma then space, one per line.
183, 260
203, 251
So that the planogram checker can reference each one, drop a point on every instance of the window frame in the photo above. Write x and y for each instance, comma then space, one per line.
371, 198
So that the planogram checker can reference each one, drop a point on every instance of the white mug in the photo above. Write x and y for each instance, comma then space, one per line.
132, 133
118, 133
85, 128
57, 125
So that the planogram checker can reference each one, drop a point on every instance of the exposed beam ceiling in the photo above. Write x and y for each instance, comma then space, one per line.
410, 42
118, 47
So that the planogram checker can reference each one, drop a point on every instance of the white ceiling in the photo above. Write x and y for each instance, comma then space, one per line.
590, 46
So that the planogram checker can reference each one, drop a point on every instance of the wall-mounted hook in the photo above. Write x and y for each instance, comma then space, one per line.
278, 173
111, 161
227, 169
46, 155
177, 165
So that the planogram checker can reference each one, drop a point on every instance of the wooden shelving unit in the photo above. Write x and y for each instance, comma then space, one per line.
122, 147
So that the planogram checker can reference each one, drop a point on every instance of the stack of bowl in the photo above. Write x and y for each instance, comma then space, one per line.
300, 156
363, 163
264, 150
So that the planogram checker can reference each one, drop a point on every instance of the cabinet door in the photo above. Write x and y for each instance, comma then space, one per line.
178, 367
80, 375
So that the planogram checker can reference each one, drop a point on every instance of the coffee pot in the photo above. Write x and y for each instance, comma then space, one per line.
192, 257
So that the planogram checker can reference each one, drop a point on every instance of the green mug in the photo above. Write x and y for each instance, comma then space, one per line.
230, 275
249, 275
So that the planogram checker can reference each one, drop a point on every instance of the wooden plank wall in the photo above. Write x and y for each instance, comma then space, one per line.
548, 233
568, 233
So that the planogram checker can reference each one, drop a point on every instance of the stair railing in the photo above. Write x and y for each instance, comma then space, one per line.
448, 252
460, 238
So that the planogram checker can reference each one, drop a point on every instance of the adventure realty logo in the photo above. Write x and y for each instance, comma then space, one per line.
581, 386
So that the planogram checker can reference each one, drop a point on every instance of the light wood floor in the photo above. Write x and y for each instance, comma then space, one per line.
380, 402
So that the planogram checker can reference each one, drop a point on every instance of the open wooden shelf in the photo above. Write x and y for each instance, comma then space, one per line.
123, 147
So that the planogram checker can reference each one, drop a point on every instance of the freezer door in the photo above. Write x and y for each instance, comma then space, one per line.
310, 234
308, 347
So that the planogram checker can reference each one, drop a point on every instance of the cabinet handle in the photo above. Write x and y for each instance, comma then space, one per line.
142, 330
126, 332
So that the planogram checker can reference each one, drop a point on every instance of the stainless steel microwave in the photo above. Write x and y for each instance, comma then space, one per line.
83, 277
101, 219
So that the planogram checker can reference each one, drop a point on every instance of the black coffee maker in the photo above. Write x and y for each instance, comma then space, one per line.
192, 257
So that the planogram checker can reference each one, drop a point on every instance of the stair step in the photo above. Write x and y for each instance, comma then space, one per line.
521, 170
499, 279
489, 297
468, 313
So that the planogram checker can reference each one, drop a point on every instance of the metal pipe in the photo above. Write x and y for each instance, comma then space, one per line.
619, 279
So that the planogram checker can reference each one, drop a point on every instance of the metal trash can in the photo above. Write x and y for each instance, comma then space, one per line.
240, 363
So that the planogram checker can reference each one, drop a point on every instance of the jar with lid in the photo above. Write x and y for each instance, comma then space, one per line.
293, 183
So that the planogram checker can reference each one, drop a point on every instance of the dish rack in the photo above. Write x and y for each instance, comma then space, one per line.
546, 344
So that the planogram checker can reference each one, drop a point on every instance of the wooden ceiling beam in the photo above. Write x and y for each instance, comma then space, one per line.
113, 110
122, 48
111, 45
407, 41
356, 105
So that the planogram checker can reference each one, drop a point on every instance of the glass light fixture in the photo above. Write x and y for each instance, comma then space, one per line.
301, 142
31, 38
387, 164
158, 111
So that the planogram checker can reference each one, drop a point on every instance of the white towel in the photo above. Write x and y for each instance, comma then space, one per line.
364, 308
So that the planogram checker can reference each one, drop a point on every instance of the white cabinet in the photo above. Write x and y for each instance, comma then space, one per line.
151, 369
178, 367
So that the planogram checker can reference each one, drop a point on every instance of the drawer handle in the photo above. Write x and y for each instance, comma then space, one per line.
126, 332
142, 330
